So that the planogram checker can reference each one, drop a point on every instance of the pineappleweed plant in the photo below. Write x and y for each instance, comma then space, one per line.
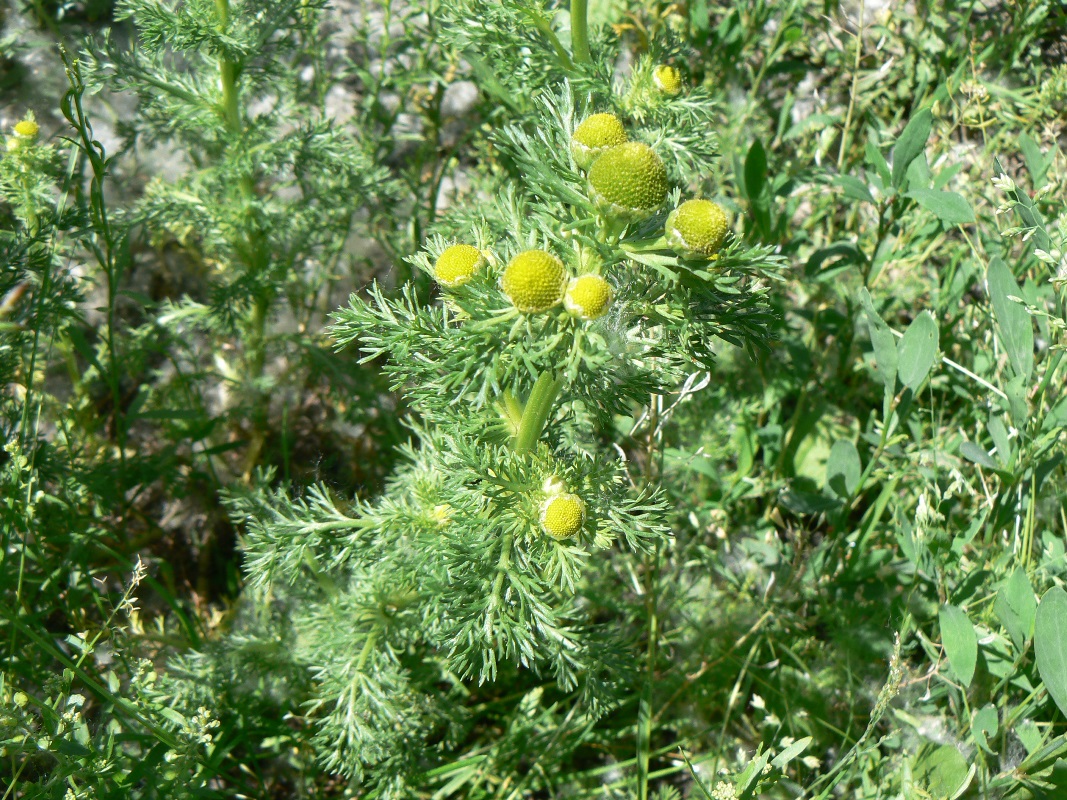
566, 314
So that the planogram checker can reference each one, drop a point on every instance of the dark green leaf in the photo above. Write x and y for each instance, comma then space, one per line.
1016, 607
882, 340
950, 207
875, 160
943, 771
975, 454
960, 642
917, 351
843, 468
912, 141
984, 726
1013, 322
755, 170
1050, 645
854, 188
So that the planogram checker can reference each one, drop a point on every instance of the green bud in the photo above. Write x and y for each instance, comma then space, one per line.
697, 229
667, 79
587, 297
593, 136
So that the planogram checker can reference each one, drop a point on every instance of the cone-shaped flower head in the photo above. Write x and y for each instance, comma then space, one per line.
27, 129
588, 296
667, 79
562, 515
593, 136
697, 228
457, 265
534, 281
629, 179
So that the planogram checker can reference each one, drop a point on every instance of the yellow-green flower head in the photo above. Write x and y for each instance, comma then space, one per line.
457, 265
534, 281
629, 179
562, 515
697, 228
27, 129
587, 297
593, 136
667, 79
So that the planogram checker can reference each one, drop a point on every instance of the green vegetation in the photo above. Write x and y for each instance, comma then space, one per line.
523, 399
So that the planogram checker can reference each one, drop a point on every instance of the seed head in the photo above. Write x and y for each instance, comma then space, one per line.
667, 79
593, 136
562, 515
27, 129
588, 297
457, 265
534, 281
697, 228
629, 179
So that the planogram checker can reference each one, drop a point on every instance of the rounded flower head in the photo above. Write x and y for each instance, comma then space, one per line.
629, 179
593, 136
534, 281
27, 129
562, 515
588, 296
667, 79
457, 265
697, 228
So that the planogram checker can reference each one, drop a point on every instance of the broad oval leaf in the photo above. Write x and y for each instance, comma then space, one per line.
885, 346
1050, 645
917, 351
960, 642
1013, 322
843, 468
984, 726
951, 208
912, 141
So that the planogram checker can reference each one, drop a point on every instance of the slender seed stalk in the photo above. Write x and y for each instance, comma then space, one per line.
580, 32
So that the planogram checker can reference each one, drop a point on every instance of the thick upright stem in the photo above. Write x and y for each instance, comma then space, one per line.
580, 32
538, 408
255, 356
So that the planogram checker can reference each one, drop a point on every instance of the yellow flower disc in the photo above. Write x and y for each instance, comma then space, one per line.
534, 281
593, 136
667, 79
697, 228
28, 129
562, 515
457, 265
588, 296
629, 179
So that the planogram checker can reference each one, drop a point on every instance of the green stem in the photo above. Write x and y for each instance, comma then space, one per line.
535, 415
580, 32
255, 357
644, 712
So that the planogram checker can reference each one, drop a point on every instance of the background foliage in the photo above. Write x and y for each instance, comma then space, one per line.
862, 595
